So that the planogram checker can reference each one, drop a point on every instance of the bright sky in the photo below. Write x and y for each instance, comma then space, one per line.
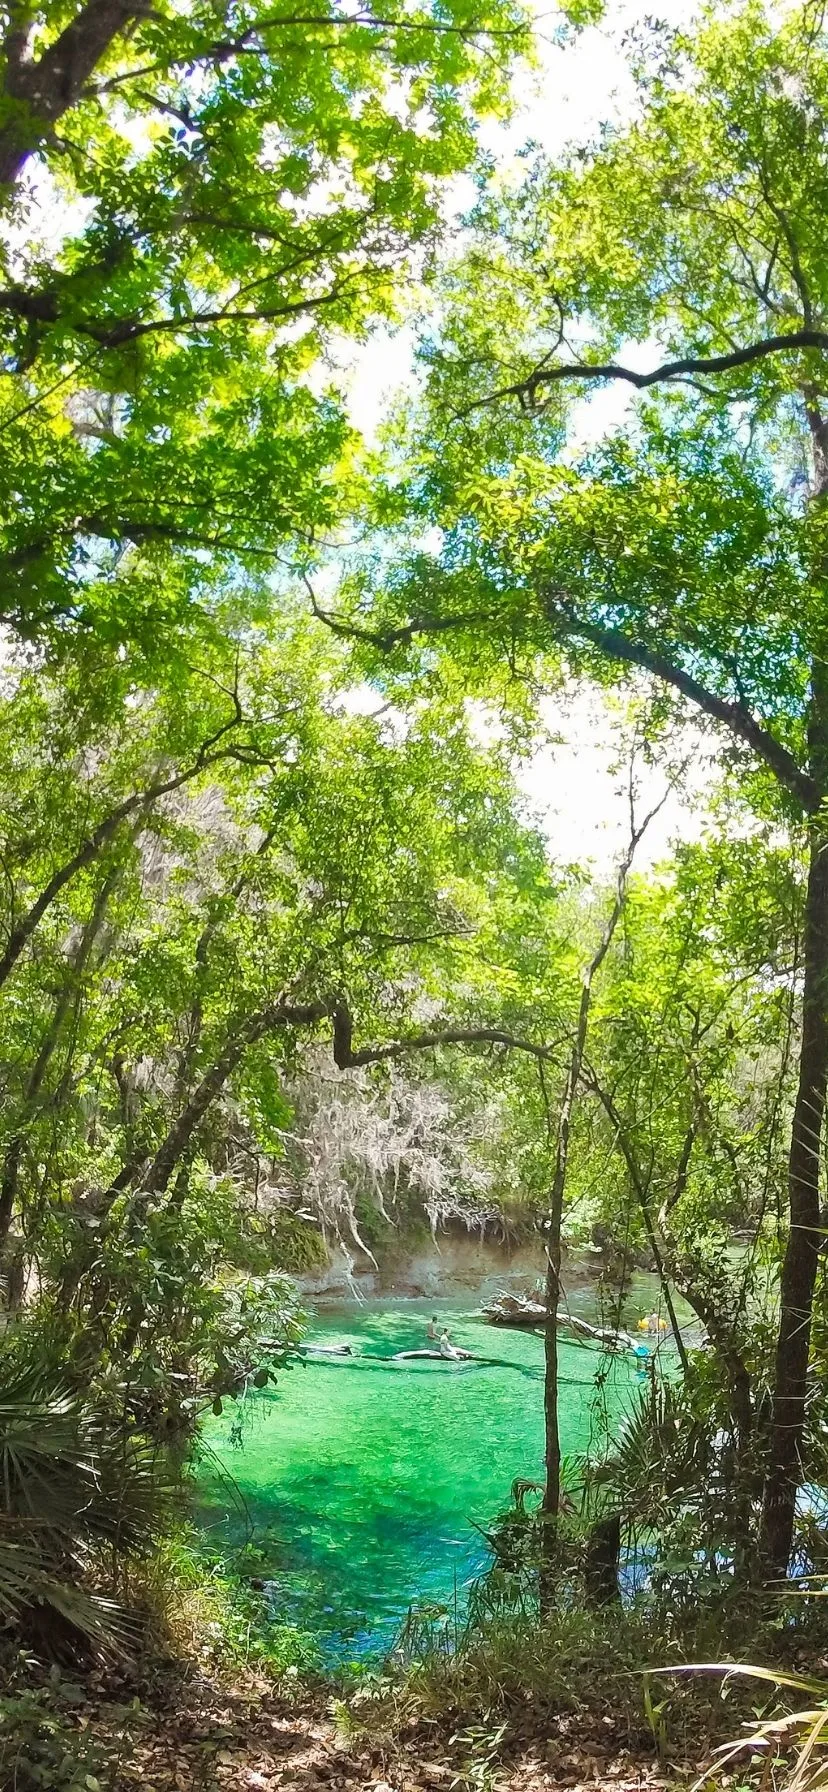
579, 787
580, 85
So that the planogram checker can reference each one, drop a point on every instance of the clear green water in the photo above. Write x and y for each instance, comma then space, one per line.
362, 1481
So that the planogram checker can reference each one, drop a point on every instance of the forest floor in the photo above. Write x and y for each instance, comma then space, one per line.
196, 1734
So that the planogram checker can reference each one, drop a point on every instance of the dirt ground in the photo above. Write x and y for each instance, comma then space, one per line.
198, 1737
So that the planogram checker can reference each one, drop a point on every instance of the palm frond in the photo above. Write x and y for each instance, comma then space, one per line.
71, 1480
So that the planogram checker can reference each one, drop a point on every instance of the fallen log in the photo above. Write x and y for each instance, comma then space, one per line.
599, 1334
519, 1311
516, 1310
372, 1356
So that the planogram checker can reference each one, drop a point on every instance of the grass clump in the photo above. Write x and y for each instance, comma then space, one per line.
207, 1610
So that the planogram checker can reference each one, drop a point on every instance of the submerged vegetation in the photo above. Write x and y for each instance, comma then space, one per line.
288, 964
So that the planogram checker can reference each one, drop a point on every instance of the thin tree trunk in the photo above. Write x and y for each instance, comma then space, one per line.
721, 1337
182, 1132
12, 1158
640, 1190
550, 1504
552, 1490
93, 846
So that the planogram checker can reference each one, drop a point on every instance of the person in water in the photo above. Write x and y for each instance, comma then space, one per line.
447, 1348
431, 1329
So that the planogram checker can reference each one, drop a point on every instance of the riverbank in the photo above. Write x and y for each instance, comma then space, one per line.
454, 1265
590, 1720
204, 1734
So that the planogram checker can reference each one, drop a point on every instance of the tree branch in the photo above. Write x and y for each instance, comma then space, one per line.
640, 1191
255, 1027
307, 1014
44, 308
79, 960
94, 843
787, 342
346, 1058
736, 717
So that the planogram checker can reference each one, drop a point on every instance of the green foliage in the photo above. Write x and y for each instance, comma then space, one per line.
232, 195
76, 1492
681, 532
772, 1737
676, 550
40, 1749
214, 1610
191, 819
180, 938
294, 1244
219, 860
683, 1489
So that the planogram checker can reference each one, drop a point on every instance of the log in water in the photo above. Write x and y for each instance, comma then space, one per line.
519, 1311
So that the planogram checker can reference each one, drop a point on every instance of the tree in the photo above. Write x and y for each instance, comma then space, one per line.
229, 192
563, 1126
688, 546
692, 1076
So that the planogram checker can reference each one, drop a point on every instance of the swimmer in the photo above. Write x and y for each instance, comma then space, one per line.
431, 1329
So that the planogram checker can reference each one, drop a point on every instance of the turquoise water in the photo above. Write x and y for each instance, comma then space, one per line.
363, 1481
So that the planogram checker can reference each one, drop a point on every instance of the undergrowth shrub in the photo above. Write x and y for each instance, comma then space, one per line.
43, 1747
207, 1609
80, 1498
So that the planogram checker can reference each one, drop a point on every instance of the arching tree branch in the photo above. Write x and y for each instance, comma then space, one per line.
284, 1014
736, 717
46, 308
209, 754
685, 367
346, 1058
567, 624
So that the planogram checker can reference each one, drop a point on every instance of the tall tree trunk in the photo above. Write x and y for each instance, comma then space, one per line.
799, 1268
800, 1263
38, 93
